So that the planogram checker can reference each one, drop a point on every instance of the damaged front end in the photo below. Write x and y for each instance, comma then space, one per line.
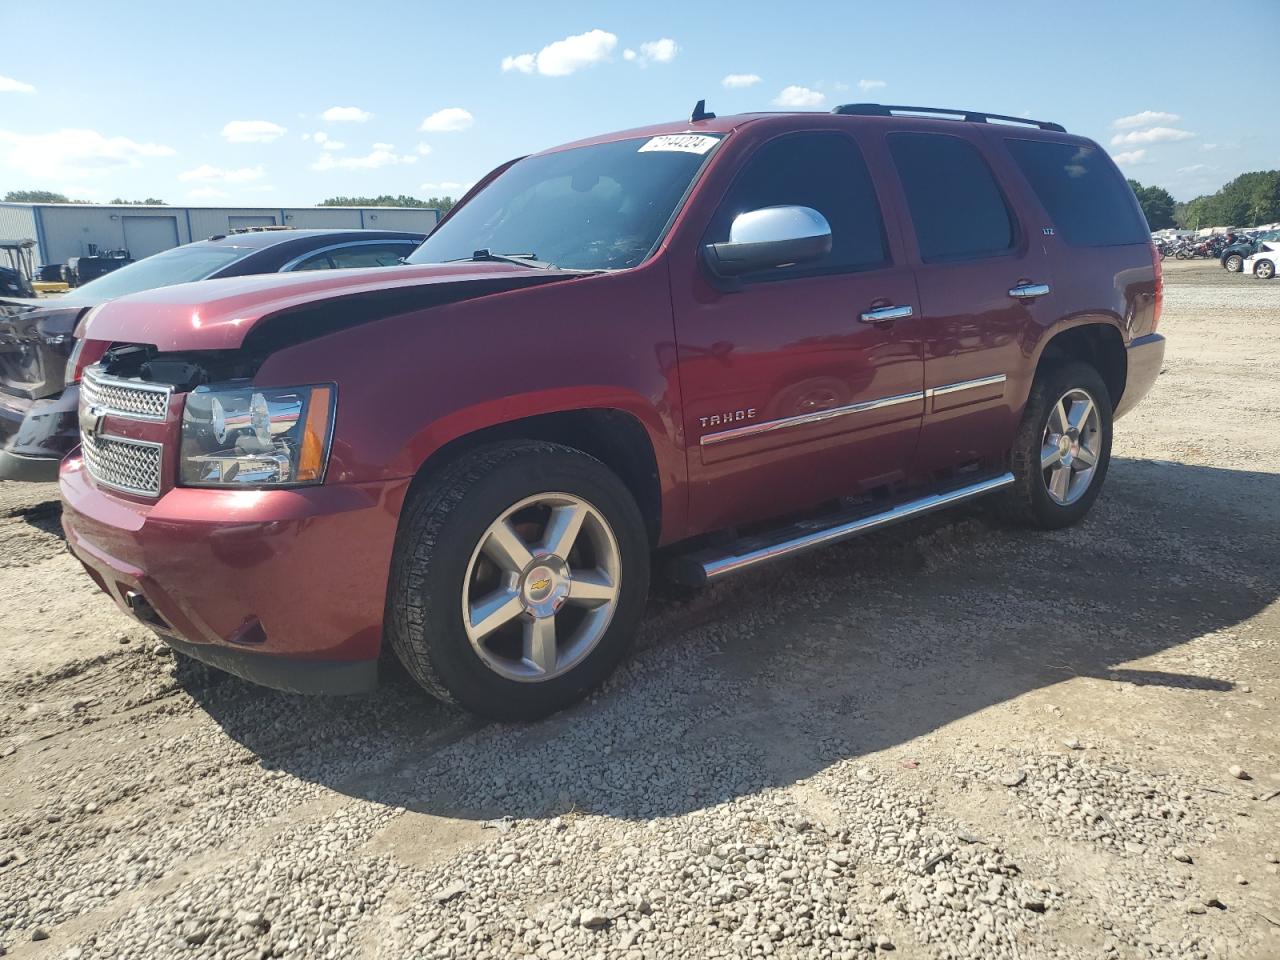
37, 409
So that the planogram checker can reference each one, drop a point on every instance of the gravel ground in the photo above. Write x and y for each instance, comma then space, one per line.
949, 740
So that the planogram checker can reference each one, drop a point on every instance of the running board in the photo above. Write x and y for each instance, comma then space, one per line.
714, 563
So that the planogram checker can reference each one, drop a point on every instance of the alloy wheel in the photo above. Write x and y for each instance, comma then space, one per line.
1233, 263
1265, 269
541, 587
1070, 448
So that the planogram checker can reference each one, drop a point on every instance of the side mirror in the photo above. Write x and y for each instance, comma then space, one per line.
767, 238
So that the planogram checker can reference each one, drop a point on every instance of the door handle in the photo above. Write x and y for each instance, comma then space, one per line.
886, 314
1029, 291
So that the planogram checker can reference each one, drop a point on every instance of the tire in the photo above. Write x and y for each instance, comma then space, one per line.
451, 553
1264, 270
1030, 501
1234, 263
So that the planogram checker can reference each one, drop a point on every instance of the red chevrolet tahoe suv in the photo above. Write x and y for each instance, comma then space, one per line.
718, 342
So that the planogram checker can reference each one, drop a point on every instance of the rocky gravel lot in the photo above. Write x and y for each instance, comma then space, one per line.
950, 740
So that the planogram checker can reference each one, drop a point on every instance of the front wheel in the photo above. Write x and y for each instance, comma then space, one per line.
1062, 448
1234, 263
519, 579
1264, 270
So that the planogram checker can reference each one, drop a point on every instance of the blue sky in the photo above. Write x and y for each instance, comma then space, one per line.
233, 103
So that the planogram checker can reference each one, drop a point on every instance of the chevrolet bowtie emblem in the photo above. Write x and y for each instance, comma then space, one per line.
539, 585
90, 419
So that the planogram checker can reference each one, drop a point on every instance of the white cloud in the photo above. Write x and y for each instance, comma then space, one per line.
1154, 135
1131, 158
1194, 168
207, 193
563, 57
423, 149
73, 153
736, 81
1208, 146
1147, 118
345, 115
252, 131
10, 85
524, 63
629, 54
866, 86
450, 119
206, 173
334, 145
663, 50
797, 96
382, 155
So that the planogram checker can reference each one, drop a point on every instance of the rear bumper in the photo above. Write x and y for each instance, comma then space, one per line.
285, 588
36, 434
1146, 359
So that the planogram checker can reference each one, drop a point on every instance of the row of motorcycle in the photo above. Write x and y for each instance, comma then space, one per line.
1196, 248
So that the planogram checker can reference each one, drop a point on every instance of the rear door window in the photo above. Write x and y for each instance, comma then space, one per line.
823, 171
1088, 200
957, 207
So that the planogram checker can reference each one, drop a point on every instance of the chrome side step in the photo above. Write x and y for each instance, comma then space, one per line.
706, 566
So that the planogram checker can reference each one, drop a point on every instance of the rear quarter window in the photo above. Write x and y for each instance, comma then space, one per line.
1088, 200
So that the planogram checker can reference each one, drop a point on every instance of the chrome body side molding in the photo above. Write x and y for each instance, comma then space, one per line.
946, 388
818, 416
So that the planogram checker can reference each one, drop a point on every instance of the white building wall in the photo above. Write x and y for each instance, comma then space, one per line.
71, 230
17, 222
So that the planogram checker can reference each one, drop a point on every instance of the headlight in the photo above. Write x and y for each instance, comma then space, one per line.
248, 437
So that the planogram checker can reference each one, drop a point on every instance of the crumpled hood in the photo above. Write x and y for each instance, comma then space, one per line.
220, 314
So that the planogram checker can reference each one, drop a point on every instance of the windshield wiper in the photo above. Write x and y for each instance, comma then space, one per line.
519, 259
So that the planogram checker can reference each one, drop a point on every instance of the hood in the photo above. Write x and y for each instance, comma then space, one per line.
221, 314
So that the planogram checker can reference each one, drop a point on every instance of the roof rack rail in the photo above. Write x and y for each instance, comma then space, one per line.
971, 116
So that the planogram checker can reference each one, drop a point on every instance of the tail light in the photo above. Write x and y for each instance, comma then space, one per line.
84, 354
1159, 300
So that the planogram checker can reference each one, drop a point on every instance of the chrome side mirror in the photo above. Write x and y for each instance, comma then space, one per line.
767, 238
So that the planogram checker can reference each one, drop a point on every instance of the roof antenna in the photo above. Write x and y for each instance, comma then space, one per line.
700, 112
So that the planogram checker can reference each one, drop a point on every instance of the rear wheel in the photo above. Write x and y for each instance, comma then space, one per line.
1062, 449
1264, 270
519, 579
1234, 263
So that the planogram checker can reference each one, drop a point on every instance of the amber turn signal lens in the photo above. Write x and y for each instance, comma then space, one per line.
314, 435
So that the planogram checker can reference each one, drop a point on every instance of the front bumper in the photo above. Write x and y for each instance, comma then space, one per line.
36, 434
1146, 359
285, 588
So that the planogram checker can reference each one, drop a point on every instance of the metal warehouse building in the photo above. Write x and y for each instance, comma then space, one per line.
63, 230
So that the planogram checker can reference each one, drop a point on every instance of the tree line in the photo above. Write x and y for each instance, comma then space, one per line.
1247, 201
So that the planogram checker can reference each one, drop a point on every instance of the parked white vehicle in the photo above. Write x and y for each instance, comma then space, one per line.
1263, 263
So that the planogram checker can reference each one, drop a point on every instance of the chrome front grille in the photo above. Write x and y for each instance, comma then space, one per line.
129, 465
125, 398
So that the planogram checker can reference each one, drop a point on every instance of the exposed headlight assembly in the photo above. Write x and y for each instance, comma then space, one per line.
247, 437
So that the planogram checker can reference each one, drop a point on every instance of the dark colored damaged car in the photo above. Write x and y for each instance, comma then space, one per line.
38, 366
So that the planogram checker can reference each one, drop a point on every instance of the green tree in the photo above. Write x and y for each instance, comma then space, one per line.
443, 204
1156, 203
149, 202
1248, 200
35, 196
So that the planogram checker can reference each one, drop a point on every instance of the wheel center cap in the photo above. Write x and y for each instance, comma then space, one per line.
545, 586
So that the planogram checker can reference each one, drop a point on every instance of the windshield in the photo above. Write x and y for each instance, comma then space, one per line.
179, 265
602, 207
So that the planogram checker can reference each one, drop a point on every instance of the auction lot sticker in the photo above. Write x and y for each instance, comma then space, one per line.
680, 143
